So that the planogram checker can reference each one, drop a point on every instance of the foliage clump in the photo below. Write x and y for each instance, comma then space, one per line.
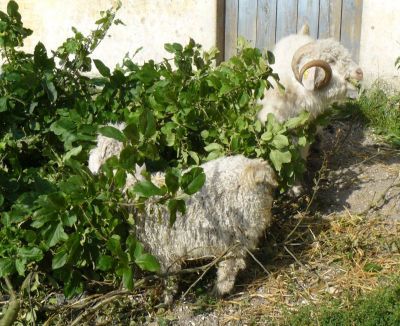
63, 223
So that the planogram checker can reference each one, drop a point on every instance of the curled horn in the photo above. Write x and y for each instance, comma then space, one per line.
299, 54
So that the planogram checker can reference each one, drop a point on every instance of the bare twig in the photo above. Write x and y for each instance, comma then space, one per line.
257, 261
105, 299
13, 306
213, 263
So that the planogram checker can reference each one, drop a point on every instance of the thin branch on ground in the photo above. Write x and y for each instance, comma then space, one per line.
256, 260
104, 300
213, 263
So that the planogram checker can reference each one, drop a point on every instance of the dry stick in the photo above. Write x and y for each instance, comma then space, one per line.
213, 263
30, 298
256, 260
293, 256
106, 300
13, 307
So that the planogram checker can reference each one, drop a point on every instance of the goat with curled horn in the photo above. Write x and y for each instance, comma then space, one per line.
314, 73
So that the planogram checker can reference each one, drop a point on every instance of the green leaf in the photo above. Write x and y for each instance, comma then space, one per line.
72, 185
40, 57
102, 68
193, 180
127, 278
302, 141
173, 48
112, 132
244, 99
148, 262
280, 141
172, 180
213, 147
226, 88
127, 157
105, 263
69, 220
73, 152
195, 157
174, 206
59, 259
73, 285
120, 178
30, 253
1, 200
50, 89
29, 236
298, 121
278, 158
7, 266
132, 133
20, 266
138, 250
205, 134
12, 10
57, 201
114, 245
55, 234
267, 136
3, 104
147, 123
147, 189
270, 57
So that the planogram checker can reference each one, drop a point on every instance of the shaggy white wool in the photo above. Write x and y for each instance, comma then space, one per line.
233, 207
105, 148
296, 97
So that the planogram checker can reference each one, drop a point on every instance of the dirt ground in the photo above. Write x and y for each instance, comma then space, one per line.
355, 181
364, 174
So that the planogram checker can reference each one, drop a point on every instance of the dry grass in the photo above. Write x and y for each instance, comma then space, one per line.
340, 257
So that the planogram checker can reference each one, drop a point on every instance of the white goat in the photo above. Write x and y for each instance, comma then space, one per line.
232, 210
315, 73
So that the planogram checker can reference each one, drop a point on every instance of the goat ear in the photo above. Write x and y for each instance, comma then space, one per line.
313, 77
305, 30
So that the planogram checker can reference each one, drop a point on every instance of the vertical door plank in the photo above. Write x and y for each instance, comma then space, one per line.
308, 13
220, 30
286, 18
247, 23
335, 18
324, 19
231, 27
351, 26
266, 24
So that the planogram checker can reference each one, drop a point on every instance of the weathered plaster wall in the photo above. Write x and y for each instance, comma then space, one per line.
149, 24
380, 40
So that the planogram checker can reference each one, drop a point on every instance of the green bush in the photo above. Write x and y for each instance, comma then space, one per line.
59, 220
